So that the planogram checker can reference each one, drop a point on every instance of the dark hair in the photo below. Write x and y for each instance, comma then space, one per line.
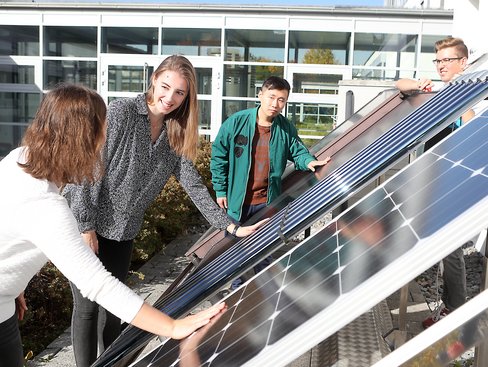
66, 137
183, 122
275, 82
457, 43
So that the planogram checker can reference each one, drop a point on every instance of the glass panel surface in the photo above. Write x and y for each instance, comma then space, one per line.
128, 78
382, 74
246, 80
306, 47
19, 40
385, 50
204, 114
16, 111
70, 41
190, 41
17, 74
82, 72
316, 83
231, 107
125, 40
312, 118
204, 80
255, 45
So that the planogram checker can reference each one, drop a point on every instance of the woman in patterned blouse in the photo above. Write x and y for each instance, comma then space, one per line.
149, 138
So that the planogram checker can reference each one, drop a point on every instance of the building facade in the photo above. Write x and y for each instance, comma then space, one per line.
114, 48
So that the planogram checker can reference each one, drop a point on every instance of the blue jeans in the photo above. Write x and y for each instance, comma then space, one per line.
11, 353
247, 212
115, 256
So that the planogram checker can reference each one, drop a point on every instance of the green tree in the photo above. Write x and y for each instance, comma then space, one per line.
319, 56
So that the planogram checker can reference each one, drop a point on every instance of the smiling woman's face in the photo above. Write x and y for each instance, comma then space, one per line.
170, 90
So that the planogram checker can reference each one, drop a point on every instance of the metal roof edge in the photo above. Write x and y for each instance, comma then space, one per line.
141, 6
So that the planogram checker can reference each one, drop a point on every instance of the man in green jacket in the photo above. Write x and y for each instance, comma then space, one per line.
251, 150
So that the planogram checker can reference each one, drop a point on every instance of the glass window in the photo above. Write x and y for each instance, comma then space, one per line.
246, 80
254, 45
17, 74
316, 83
118, 40
204, 80
19, 40
231, 107
186, 41
306, 47
16, 111
70, 41
205, 114
382, 74
128, 78
385, 50
81, 72
312, 119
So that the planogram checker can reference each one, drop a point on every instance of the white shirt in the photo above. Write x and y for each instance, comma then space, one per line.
36, 224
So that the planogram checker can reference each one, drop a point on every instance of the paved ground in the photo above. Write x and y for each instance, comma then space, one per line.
156, 275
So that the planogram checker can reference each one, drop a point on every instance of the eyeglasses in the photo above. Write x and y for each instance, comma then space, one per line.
446, 60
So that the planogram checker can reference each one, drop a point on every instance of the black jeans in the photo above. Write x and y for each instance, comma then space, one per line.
115, 256
11, 353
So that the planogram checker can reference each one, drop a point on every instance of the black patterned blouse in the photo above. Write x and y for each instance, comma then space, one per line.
135, 173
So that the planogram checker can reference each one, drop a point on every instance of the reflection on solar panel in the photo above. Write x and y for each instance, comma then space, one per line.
445, 107
400, 229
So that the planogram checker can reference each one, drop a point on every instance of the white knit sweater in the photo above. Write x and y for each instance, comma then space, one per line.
36, 224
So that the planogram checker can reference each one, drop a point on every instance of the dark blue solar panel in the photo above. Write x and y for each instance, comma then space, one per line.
403, 223
439, 111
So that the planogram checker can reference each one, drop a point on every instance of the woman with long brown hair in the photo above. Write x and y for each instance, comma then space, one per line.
149, 138
61, 146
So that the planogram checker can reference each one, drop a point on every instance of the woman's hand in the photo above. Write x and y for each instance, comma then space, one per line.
20, 306
246, 230
184, 327
90, 238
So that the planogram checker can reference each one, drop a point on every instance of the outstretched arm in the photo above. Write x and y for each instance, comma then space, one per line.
410, 85
150, 319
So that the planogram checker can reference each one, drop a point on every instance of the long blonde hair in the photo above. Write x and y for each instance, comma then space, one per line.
66, 137
182, 123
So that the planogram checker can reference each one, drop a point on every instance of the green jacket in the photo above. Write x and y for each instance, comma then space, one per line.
231, 157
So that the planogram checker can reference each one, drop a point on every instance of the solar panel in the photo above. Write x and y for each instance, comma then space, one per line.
400, 229
436, 113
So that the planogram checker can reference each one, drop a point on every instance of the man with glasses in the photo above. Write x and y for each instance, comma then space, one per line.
250, 154
451, 60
